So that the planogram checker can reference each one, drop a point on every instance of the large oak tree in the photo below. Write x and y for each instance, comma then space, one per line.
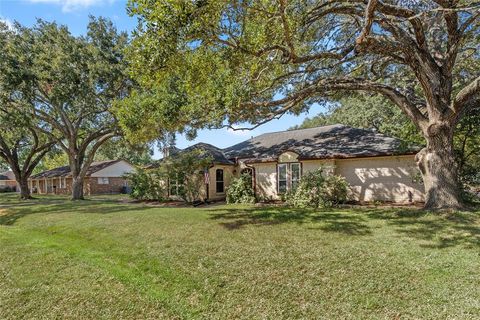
380, 114
74, 83
22, 144
22, 147
234, 61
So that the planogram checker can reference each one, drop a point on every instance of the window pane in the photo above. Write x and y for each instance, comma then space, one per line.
295, 167
294, 184
219, 182
282, 172
219, 174
282, 186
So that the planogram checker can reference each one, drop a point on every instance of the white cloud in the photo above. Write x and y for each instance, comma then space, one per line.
71, 5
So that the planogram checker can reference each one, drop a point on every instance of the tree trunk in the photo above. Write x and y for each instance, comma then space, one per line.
439, 169
24, 189
77, 188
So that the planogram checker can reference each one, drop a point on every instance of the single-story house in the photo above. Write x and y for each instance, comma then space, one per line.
7, 181
377, 167
104, 177
221, 171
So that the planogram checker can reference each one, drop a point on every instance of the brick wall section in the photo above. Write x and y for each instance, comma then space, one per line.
11, 184
91, 186
64, 191
115, 185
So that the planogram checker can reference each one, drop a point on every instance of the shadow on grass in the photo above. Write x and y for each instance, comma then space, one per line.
433, 229
429, 229
329, 220
11, 213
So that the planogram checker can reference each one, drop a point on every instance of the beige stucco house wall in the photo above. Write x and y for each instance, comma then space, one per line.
228, 175
390, 178
265, 180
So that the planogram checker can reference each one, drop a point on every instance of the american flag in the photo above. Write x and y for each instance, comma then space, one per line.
206, 175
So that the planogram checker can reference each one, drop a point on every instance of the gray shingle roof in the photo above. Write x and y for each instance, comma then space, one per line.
334, 141
7, 175
210, 151
65, 171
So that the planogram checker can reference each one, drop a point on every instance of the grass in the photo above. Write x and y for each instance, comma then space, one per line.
103, 259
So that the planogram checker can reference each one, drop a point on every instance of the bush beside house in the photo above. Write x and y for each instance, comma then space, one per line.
180, 176
5, 189
317, 190
147, 185
240, 190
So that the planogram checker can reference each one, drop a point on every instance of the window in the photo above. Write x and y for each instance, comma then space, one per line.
176, 186
289, 175
219, 181
295, 175
103, 181
63, 183
173, 183
282, 178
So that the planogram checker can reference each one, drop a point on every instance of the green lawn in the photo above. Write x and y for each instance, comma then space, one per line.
103, 259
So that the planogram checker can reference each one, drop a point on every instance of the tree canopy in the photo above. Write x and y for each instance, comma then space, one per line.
72, 83
381, 115
377, 113
217, 63
23, 143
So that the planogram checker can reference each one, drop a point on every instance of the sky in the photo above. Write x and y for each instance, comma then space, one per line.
75, 13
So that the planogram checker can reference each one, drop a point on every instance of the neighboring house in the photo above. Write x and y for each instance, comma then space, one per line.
7, 181
104, 177
378, 168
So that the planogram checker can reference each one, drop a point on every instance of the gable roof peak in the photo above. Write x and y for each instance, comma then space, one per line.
64, 171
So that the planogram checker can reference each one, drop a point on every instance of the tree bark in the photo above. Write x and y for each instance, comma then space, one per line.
439, 169
24, 189
77, 188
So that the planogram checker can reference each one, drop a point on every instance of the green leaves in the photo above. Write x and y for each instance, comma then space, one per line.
186, 168
240, 190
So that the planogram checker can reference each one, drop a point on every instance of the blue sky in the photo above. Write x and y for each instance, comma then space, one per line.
74, 14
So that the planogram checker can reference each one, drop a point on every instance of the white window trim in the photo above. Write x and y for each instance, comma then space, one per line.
103, 180
176, 185
278, 177
291, 173
288, 175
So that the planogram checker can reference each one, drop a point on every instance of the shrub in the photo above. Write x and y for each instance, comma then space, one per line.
5, 189
315, 191
335, 190
187, 168
240, 190
147, 185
